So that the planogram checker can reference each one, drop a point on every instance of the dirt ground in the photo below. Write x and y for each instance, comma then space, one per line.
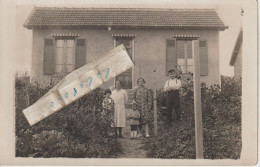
131, 148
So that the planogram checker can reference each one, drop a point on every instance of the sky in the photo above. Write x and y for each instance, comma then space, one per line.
229, 12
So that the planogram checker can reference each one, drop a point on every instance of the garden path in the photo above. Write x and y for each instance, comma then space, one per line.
131, 148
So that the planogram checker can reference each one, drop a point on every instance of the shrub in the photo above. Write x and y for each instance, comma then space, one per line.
77, 130
176, 142
50, 144
221, 112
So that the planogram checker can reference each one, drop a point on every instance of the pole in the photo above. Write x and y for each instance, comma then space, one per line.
197, 100
27, 99
154, 103
140, 71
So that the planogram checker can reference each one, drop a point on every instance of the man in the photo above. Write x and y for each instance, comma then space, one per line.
172, 88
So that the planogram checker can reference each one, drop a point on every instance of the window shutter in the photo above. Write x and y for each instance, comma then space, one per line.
171, 56
80, 53
49, 57
203, 50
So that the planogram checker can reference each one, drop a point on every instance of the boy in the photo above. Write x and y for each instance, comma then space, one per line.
172, 88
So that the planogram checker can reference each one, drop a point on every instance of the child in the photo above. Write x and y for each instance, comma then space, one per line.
108, 106
133, 120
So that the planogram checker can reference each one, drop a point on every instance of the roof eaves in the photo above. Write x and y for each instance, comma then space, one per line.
222, 19
29, 17
120, 8
30, 26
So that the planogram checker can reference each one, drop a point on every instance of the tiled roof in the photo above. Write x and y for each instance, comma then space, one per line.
45, 17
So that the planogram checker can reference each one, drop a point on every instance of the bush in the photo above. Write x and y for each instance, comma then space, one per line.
222, 120
77, 130
221, 110
176, 142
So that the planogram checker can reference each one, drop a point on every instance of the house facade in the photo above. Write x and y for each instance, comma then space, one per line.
236, 58
157, 40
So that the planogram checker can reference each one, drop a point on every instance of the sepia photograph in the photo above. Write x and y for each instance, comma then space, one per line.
128, 80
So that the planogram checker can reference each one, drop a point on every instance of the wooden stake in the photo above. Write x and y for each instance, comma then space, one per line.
27, 99
197, 100
154, 104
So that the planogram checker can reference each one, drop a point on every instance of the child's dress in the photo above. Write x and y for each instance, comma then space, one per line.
108, 109
133, 117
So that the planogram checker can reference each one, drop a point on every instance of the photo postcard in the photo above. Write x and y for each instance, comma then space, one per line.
129, 82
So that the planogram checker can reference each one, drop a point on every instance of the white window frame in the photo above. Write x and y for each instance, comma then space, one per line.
65, 53
185, 56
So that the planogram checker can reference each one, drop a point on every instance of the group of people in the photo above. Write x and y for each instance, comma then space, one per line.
140, 116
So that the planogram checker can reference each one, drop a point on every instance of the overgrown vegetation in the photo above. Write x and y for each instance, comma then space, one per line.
78, 130
221, 108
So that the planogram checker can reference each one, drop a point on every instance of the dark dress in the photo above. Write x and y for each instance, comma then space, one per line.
144, 100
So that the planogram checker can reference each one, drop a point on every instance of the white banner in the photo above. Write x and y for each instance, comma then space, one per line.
79, 83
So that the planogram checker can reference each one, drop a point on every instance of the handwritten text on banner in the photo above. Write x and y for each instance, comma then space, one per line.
79, 83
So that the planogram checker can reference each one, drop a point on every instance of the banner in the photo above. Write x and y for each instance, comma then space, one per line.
79, 83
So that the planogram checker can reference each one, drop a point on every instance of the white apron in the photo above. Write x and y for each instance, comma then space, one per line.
120, 98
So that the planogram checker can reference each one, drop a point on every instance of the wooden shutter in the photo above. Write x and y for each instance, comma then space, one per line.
80, 58
49, 57
171, 56
203, 51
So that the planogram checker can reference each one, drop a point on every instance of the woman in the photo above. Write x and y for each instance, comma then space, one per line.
143, 98
120, 98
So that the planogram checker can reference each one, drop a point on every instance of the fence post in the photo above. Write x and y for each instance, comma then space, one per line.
27, 99
197, 100
94, 110
155, 103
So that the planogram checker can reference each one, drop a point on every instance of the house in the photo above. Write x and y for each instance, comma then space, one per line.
64, 39
236, 58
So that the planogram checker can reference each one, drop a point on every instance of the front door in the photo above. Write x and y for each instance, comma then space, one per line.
126, 77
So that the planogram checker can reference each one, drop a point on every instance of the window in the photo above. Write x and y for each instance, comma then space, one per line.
65, 55
184, 56
179, 54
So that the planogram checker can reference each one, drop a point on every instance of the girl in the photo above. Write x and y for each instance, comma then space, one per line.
108, 106
133, 120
